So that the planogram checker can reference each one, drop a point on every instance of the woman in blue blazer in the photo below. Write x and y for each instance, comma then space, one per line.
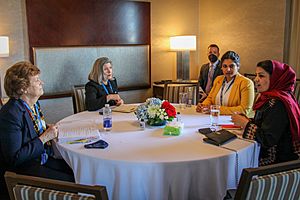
25, 146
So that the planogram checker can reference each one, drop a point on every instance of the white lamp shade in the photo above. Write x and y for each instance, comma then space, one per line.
4, 47
182, 43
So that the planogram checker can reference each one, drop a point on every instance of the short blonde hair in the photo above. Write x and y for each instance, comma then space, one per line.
17, 80
96, 73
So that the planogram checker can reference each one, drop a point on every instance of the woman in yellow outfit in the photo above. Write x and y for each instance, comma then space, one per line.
232, 91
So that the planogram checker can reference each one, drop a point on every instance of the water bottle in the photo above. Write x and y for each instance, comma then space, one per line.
179, 123
107, 118
142, 124
178, 117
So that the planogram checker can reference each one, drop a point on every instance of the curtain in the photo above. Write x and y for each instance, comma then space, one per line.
294, 49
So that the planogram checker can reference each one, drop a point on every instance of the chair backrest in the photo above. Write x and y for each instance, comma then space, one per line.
172, 90
3, 100
250, 76
79, 98
297, 90
36, 188
277, 181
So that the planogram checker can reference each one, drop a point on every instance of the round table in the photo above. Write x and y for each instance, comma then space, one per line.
145, 164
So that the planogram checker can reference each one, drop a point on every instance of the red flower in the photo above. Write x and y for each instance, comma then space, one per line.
170, 110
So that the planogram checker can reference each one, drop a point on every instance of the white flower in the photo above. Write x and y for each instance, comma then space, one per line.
151, 109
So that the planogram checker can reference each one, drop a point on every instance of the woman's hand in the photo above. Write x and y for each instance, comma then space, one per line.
203, 108
114, 97
119, 102
49, 134
240, 120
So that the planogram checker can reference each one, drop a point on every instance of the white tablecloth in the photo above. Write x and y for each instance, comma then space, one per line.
146, 164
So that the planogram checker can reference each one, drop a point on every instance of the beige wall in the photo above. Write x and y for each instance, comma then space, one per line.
171, 18
254, 29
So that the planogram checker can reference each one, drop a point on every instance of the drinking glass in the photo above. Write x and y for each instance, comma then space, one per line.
182, 100
214, 115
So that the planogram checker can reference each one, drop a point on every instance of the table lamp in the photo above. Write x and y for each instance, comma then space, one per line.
4, 47
183, 45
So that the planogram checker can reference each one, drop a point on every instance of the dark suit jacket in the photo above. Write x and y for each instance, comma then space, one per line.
19, 142
203, 76
95, 95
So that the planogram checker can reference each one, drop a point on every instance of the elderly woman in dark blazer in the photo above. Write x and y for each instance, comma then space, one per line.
276, 124
102, 87
24, 136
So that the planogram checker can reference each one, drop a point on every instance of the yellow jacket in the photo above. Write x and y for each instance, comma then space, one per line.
241, 97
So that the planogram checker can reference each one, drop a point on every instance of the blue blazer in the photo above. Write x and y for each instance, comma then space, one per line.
19, 142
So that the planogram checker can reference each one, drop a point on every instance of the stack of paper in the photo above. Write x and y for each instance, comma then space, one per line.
68, 132
125, 108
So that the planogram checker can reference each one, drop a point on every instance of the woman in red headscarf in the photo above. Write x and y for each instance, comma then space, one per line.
276, 125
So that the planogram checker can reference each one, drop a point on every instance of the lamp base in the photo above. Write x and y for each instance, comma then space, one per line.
183, 65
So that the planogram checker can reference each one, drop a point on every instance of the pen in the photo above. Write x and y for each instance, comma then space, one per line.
82, 140
243, 115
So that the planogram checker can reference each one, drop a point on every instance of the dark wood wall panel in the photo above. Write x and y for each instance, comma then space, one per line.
54, 23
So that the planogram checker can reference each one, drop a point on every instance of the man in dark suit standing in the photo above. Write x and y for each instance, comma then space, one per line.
210, 70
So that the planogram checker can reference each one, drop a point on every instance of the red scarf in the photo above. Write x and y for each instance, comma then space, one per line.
282, 83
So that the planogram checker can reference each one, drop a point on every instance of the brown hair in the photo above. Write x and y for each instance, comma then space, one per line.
17, 80
96, 73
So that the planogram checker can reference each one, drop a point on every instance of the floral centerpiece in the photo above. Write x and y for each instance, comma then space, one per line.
156, 112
